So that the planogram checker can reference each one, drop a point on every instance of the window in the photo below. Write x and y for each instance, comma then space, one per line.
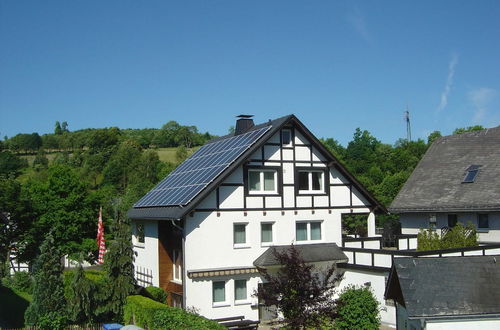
308, 231
266, 232
240, 290
482, 221
311, 181
218, 291
432, 220
471, 173
452, 220
239, 234
262, 181
139, 233
286, 137
177, 265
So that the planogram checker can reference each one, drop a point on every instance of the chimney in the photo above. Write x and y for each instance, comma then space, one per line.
243, 124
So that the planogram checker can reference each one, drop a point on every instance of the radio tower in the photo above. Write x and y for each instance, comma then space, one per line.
408, 127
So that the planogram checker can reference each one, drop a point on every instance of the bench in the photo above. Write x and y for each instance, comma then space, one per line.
237, 322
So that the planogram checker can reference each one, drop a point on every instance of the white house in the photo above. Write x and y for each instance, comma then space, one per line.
199, 233
458, 179
446, 293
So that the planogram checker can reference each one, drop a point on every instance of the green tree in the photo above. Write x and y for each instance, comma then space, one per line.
433, 136
64, 205
119, 268
357, 309
11, 164
57, 128
468, 129
82, 298
48, 291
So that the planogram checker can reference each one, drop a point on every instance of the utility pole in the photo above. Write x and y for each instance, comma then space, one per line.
408, 126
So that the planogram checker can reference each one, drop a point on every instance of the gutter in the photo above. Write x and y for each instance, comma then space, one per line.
455, 317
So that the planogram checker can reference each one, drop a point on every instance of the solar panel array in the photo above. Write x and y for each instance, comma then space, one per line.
196, 172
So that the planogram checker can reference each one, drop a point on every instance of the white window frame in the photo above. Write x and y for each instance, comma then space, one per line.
261, 180
176, 253
291, 137
310, 183
137, 242
244, 245
272, 233
241, 301
225, 301
308, 233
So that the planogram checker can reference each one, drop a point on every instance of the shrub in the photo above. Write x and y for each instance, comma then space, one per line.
177, 319
459, 236
357, 309
52, 321
140, 311
20, 281
157, 294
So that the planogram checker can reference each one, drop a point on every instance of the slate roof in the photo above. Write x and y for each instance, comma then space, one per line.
308, 252
436, 183
177, 212
449, 286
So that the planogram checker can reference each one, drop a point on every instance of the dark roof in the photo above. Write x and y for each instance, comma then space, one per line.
436, 183
308, 252
450, 286
177, 212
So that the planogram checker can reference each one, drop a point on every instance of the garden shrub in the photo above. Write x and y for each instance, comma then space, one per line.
459, 236
20, 281
140, 311
357, 309
157, 294
52, 321
177, 319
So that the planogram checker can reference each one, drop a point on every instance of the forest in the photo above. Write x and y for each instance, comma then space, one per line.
57, 182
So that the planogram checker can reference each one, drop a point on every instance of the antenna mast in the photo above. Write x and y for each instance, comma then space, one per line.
408, 126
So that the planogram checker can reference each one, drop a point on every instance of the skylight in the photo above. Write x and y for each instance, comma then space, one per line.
471, 174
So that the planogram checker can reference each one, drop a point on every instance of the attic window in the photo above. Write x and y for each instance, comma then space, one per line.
471, 174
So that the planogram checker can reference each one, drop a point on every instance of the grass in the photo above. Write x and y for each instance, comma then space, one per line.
169, 154
12, 306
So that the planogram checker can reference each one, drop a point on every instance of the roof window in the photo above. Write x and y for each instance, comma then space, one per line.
471, 174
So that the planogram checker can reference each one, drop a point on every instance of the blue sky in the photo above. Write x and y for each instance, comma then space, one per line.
337, 65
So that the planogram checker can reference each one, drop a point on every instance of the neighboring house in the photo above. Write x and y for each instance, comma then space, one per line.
201, 232
458, 179
446, 293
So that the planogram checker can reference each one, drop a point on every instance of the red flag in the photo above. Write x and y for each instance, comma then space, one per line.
100, 239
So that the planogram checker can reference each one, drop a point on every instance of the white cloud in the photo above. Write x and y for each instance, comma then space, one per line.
357, 20
449, 83
481, 99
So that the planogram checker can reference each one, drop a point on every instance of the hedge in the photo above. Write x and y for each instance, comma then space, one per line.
149, 314
157, 294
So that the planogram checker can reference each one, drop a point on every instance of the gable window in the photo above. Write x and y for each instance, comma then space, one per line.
266, 232
218, 292
311, 181
262, 181
286, 137
177, 265
139, 233
240, 290
482, 221
308, 231
452, 220
471, 173
240, 235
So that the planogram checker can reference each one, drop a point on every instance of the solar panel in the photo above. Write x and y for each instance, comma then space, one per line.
201, 168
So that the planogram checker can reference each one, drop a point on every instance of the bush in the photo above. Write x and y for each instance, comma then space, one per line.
459, 236
177, 319
20, 281
140, 311
157, 294
52, 321
357, 309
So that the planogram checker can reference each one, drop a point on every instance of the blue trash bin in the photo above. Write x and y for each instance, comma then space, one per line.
112, 326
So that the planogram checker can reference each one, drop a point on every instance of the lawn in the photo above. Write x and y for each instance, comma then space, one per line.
12, 307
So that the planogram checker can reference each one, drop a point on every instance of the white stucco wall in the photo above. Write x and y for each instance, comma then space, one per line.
412, 222
463, 324
377, 282
147, 253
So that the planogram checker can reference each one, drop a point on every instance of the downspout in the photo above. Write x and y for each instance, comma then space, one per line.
172, 221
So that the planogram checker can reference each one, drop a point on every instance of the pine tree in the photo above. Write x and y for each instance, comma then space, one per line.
48, 292
119, 268
81, 298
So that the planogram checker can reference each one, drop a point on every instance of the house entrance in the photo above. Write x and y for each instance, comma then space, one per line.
266, 313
